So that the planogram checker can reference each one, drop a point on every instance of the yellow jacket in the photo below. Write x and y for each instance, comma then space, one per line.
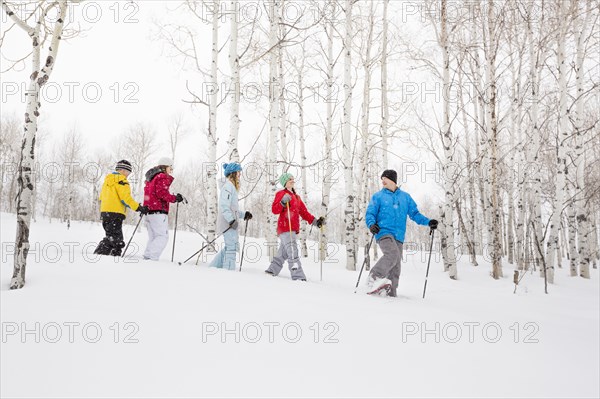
116, 194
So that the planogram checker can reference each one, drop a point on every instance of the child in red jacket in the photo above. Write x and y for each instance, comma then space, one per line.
288, 205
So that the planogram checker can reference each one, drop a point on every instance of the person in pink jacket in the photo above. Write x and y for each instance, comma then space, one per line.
157, 198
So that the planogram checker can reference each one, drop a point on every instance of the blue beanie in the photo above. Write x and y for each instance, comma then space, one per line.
230, 168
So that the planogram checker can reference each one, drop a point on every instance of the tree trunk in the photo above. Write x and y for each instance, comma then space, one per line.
271, 166
471, 210
584, 227
385, 106
27, 161
329, 168
561, 143
492, 130
302, 140
362, 234
234, 65
211, 175
347, 142
447, 228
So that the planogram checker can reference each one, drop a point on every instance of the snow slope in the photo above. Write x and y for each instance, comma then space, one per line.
190, 331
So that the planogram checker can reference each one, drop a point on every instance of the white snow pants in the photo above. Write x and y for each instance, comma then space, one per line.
158, 235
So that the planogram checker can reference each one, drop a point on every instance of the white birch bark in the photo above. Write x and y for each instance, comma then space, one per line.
211, 175
385, 106
38, 78
271, 167
522, 188
469, 213
479, 136
584, 230
562, 142
491, 49
302, 142
285, 150
347, 142
447, 228
533, 154
360, 204
329, 168
235, 89
571, 246
515, 222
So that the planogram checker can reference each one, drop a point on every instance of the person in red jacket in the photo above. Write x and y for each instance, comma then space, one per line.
157, 198
290, 208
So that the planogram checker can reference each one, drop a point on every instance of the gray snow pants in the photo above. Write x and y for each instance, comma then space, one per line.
388, 266
288, 250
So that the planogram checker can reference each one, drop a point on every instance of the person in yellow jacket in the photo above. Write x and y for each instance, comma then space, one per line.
115, 198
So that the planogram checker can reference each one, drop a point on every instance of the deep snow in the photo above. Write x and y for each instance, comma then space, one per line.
295, 339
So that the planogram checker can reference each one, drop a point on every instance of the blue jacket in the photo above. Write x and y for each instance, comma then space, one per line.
229, 209
389, 210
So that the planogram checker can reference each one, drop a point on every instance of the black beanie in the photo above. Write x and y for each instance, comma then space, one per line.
390, 174
123, 164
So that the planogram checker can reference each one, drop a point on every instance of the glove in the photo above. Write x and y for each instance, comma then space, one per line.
142, 209
286, 198
374, 228
433, 224
233, 224
247, 216
178, 198
319, 222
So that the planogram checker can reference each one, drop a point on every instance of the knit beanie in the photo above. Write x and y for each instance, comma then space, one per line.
229, 168
123, 164
390, 174
285, 178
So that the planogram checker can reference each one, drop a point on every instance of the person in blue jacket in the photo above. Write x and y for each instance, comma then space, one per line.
229, 214
386, 218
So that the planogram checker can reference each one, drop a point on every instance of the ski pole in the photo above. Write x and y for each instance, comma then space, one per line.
134, 230
204, 247
321, 252
364, 262
175, 232
432, 232
243, 245
290, 223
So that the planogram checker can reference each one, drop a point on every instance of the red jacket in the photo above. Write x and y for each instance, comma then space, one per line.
156, 192
297, 209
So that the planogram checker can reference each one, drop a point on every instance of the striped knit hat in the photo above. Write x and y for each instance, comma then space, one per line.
123, 164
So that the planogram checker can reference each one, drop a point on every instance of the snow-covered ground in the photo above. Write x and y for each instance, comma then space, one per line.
86, 326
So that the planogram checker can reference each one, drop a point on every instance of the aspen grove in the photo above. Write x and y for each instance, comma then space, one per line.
493, 105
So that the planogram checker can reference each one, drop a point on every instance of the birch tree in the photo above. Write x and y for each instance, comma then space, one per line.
368, 63
584, 231
448, 143
234, 66
491, 39
39, 76
186, 43
329, 168
385, 106
562, 141
536, 40
274, 125
347, 147
211, 173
